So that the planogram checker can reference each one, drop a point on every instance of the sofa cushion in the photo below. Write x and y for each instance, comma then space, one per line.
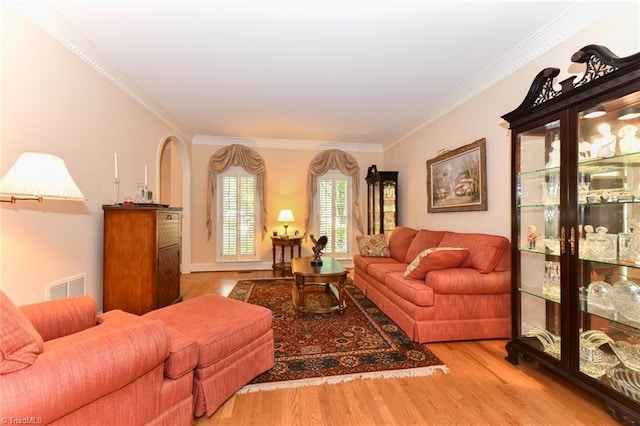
399, 242
379, 270
20, 343
424, 239
435, 258
484, 250
373, 245
363, 262
415, 291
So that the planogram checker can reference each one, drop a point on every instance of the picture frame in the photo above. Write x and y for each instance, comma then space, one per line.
457, 181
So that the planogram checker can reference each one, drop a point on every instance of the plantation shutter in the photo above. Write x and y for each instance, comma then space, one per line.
238, 217
229, 215
247, 216
333, 213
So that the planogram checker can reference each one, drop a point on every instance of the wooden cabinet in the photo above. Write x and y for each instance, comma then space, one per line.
141, 257
382, 201
576, 227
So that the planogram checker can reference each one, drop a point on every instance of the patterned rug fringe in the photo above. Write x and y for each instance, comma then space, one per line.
330, 380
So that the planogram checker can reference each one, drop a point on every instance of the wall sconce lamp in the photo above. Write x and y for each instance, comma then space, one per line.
594, 112
629, 113
38, 176
286, 217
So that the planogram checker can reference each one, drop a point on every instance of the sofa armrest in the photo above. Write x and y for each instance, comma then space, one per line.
95, 363
468, 281
184, 350
57, 318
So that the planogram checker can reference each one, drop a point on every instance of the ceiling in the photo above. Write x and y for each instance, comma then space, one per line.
359, 72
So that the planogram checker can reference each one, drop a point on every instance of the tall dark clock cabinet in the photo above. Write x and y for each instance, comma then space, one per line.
576, 227
382, 201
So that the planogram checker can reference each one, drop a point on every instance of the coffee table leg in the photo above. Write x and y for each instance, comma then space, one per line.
298, 293
342, 305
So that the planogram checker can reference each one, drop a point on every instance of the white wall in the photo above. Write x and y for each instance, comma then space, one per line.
480, 118
53, 102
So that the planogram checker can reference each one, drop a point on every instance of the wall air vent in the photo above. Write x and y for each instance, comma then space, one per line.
73, 286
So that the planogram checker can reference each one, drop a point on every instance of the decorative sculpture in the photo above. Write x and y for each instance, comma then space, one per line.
318, 246
532, 237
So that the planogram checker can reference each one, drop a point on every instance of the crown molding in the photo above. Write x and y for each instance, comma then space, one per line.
562, 28
53, 23
287, 144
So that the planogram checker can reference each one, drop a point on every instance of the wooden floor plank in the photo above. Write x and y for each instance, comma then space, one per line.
480, 388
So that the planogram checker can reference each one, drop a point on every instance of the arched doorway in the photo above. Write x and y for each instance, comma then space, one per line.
174, 171
170, 175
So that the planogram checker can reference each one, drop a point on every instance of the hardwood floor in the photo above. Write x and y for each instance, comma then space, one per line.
481, 388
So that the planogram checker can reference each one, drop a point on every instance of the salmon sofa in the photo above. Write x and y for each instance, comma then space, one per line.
458, 286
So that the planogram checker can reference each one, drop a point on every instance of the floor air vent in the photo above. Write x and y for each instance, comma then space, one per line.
74, 286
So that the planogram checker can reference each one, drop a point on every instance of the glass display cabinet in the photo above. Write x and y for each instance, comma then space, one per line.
382, 201
576, 227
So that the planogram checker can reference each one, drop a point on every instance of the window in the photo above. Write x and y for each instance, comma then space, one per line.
238, 215
334, 215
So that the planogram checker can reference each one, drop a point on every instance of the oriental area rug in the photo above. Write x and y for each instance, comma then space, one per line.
360, 342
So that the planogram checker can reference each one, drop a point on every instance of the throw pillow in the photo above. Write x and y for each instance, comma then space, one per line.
435, 258
20, 343
373, 245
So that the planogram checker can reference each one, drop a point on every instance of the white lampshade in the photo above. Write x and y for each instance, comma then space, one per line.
36, 175
285, 216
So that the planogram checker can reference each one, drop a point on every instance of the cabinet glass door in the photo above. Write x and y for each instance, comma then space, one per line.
539, 239
389, 206
376, 207
609, 244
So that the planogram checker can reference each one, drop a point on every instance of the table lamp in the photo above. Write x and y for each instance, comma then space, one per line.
285, 216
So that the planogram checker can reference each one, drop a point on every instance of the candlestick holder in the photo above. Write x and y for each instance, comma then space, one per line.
116, 191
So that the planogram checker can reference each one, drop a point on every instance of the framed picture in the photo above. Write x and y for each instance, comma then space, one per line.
456, 180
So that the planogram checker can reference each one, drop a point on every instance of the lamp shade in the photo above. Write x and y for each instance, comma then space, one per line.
37, 175
285, 216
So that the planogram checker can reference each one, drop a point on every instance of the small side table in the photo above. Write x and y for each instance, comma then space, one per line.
291, 242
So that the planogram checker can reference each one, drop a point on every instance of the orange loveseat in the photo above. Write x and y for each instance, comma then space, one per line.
447, 296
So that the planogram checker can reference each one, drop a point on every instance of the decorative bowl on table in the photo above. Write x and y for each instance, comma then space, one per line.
626, 382
628, 353
550, 341
595, 363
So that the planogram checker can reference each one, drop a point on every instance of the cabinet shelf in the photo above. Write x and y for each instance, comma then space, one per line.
539, 295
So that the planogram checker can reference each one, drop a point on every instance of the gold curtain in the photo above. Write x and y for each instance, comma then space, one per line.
323, 162
251, 162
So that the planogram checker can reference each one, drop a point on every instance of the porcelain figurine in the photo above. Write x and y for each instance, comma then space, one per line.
629, 142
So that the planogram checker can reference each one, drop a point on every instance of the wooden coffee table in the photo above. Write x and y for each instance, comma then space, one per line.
331, 275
